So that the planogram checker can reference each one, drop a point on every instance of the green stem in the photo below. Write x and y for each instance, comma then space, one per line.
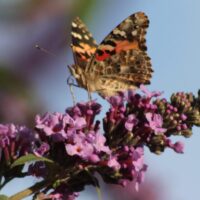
99, 193
31, 190
96, 185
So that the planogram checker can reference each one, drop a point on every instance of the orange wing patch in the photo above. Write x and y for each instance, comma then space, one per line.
83, 44
107, 51
84, 49
126, 45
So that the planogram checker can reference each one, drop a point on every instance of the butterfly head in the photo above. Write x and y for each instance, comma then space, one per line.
79, 74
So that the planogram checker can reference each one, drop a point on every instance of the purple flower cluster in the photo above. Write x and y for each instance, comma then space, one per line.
79, 134
15, 141
75, 130
135, 119
173, 117
77, 139
77, 146
132, 165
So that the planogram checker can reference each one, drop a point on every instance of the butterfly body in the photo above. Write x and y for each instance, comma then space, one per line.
85, 80
119, 63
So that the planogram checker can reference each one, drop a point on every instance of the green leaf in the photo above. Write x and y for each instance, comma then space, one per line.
3, 197
30, 158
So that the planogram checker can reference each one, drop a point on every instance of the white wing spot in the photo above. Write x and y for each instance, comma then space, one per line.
76, 35
134, 33
128, 20
74, 24
118, 32
86, 37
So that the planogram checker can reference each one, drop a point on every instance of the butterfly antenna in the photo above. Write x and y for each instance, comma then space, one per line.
45, 50
70, 82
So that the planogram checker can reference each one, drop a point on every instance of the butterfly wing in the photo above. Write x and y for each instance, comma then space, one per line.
123, 71
83, 45
122, 57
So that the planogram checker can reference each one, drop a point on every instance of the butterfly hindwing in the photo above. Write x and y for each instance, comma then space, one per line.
125, 70
126, 63
83, 44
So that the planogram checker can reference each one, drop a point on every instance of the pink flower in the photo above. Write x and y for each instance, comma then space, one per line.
87, 110
4, 135
138, 158
50, 123
148, 93
15, 141
44, 148
113, 163
87, 146
76, 123
117, 100
58, 125
131, 122
98, 142
179, 147
155, 122
79, 146
140, 177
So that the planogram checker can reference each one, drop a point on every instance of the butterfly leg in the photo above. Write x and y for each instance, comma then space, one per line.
70, 81
89, 93
72, 94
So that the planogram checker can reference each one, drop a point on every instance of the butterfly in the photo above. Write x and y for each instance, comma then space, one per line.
120, 62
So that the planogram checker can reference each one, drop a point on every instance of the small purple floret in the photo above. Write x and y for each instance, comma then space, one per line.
155, 122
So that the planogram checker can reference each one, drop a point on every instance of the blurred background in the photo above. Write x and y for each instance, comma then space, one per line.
33, 82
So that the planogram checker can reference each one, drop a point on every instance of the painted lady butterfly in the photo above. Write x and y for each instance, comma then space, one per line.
119, 63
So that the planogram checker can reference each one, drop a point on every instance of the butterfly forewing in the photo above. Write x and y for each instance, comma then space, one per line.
83, 44
128, 35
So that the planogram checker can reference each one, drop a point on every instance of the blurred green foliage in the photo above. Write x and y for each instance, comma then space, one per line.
10, 83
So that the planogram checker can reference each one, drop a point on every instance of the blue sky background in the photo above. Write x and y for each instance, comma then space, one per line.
173, 44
